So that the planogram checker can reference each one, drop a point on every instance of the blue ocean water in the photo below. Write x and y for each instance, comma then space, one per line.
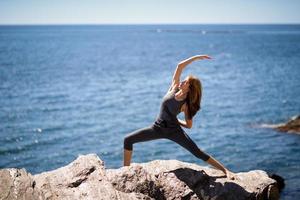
70, 90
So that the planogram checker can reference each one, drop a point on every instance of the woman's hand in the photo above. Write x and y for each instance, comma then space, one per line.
202, 57
193, 58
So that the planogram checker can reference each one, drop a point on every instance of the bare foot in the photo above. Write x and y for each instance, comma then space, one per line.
230, 175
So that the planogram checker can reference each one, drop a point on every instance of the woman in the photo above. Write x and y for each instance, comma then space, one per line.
184, 97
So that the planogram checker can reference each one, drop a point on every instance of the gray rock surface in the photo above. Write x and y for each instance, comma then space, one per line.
17, 184
173, 179
87, 178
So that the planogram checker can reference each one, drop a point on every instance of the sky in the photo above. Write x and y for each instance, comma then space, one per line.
149, 11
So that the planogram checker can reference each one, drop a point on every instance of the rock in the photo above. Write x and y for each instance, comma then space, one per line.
84, 178
17, 184
279, 180
172, 179
87, 178
292, 126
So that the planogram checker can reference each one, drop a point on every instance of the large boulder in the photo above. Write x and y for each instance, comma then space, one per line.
17, 184
84, 178
87, 178
173, 179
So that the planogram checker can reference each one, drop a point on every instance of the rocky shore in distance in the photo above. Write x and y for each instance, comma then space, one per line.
87, 178
291, 126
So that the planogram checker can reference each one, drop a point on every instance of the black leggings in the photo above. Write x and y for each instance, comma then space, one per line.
153, 132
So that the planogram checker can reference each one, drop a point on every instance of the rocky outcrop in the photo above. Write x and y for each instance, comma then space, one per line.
292, 126
87, 178
17, 184
173, 179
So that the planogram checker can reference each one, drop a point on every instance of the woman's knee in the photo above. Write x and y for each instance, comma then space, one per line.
128, 143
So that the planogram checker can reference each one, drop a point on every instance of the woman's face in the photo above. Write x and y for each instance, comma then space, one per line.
184, 85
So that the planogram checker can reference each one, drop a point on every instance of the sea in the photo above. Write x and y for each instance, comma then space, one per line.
70, 90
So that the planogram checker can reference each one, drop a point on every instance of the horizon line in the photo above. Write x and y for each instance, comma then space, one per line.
95, 24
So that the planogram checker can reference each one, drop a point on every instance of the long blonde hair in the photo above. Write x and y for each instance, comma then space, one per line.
194, 96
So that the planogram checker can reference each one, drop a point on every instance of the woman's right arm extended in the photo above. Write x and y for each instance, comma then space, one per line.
181, 65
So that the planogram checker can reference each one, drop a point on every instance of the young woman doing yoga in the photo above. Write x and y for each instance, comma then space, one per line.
184, 97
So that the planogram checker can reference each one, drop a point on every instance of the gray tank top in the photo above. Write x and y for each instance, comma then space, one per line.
169, 109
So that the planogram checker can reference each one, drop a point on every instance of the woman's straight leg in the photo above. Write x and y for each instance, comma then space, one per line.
185, 141
182, 138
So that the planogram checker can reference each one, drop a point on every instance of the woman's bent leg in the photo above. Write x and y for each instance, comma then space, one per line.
127, 157
140, 135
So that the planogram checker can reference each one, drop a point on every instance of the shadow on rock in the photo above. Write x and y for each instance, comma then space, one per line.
207, 187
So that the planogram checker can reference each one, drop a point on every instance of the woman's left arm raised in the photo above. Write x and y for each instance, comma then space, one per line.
181, 65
